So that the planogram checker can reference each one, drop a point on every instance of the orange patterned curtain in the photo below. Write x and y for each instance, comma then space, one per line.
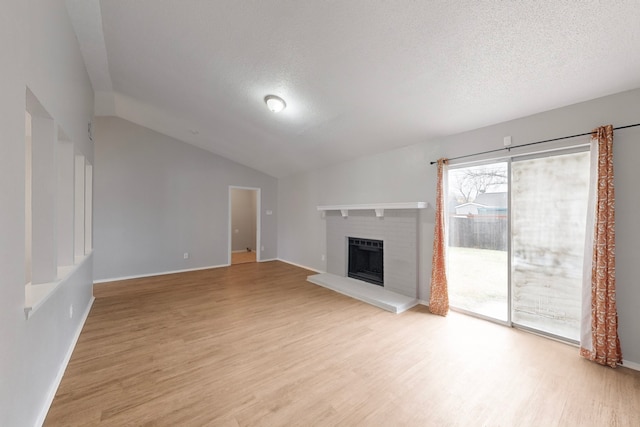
599, 335
439, 299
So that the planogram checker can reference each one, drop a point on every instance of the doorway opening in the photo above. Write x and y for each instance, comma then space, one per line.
244, 225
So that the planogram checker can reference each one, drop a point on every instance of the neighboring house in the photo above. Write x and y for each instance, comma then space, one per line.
470, 208
485, 204
497, 200
495, 204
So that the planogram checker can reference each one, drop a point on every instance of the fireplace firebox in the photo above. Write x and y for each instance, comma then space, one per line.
366, 260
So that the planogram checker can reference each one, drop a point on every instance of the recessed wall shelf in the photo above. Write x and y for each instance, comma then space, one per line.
37, 295
379, 208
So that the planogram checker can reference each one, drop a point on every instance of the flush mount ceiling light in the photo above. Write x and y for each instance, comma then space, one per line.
275, 103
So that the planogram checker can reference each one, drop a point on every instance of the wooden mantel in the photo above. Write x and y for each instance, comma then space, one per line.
379, 208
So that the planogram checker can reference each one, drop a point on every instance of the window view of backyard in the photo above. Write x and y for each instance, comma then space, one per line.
478, 281
477, 254
548, 221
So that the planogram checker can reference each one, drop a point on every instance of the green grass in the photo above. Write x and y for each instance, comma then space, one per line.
478, 280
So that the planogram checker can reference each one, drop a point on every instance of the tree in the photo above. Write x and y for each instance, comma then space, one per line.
470, 182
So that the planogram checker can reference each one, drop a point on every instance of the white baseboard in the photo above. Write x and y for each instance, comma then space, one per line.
63, 367
423, 302
631, 365
300, 265
268, 260
162, 273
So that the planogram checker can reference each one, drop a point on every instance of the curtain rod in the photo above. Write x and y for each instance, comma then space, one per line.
532, 143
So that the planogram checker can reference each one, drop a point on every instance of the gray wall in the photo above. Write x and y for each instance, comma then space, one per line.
38, 49
243, 219
156, 197
405, 175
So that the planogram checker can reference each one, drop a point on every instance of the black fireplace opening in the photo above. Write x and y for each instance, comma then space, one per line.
366, 260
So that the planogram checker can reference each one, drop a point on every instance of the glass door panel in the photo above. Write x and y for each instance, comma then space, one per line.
549, 204
478, 262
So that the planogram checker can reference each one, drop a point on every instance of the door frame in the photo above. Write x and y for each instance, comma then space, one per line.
258, 191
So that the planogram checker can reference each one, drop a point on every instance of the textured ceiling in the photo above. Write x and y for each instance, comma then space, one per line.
359, 77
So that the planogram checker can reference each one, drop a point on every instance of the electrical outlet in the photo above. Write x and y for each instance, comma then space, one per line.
71, 311
186, 255
506, 141
262, 248
324, 257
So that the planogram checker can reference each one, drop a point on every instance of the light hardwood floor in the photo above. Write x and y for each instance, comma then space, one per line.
257, 345
242, 257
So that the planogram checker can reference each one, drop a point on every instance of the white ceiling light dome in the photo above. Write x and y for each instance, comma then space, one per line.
275, 103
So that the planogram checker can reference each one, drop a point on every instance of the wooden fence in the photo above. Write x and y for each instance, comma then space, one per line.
478, 231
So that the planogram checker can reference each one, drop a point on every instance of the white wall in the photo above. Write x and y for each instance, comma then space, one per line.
405, 175
156, 197
38, 49
243, 219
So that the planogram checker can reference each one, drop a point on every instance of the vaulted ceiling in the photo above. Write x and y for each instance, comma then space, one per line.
358, 76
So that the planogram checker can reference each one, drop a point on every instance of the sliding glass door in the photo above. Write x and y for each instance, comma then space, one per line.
477, 254
549, 212
516, 240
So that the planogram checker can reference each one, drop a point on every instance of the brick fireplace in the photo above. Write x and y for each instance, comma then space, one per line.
397, 229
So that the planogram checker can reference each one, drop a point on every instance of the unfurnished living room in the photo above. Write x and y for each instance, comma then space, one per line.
319, 213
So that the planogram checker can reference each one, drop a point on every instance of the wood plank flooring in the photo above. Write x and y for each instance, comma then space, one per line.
256, 345
242, 257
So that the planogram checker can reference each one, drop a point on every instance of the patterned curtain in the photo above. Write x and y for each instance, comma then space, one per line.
599, 330
439, 299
